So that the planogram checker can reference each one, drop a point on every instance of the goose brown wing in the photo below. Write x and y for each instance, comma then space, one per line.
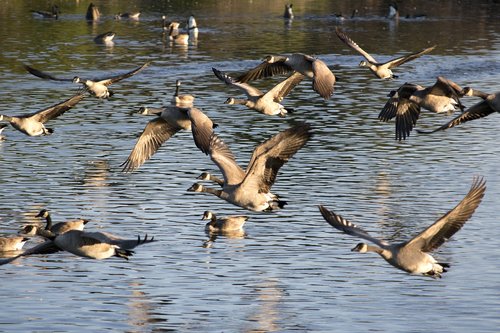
246, 88
46, 247
401, 60
349, 42
340, 223
390, 108
120, 77
269, 156
406, 117
156, 132
202, 128
222, 156
445, 227
57, 109
45, 76
282, 89
266, 69
323, 80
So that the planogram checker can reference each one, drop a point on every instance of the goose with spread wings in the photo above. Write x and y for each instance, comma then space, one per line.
33, 124
404, 104
250, 188
413, 255
265, 103
96, 87
313, 68
381, 70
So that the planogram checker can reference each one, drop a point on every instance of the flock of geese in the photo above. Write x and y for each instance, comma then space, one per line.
250, 187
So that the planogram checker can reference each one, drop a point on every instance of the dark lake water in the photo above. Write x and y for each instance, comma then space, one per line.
289, 271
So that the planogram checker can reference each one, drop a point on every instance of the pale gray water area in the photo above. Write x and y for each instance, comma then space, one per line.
290, 271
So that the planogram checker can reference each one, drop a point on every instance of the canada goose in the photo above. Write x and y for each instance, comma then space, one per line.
33, 124
53, 14
313, 68
489, 105
185, 101
192, 27
171, 120
381, 70
250, 188
12, 243
105, 38
2, 128
225, 223
288, 11
61, 227
95, 245
412, 256
96, 87
175, 36
393, 11
93, 13
131, 15
405, 103
265, 103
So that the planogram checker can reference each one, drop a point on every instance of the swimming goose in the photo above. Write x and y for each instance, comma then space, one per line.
192, 27
53, 14
288, 11
313, 68
12, 243
489, 105
381, 70
265, 103
175, 36
225, 223
2, 128
405, 103
185, 101
33, 124
171, 120
393, 11
104, 38
61, 227
131, 15
250, 188
412, 256
96, 87
93, 13
95, 245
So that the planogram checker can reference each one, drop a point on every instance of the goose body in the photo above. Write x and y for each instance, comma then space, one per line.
265, 103
12, 243
131, 16
53, 14
288, 14
313, 68
223, 224
490, 104
192, 27
96, 87
413, 255
404, 104
175, 36
61, 227
250, 188
381, 70
34, 124
105, 38
171, 120
185, 101
93, 13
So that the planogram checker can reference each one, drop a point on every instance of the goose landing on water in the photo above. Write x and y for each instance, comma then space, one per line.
412, 256
224, 223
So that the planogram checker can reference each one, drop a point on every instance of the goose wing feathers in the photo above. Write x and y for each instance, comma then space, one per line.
58, 109
266, 69
246, 88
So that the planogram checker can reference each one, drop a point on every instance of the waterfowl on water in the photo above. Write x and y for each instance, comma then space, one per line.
490, 104
184, 101
93, 13
405, 103
288, 11
192, 27
381, 70
61, 227
393, 13
175, 36
413, 255
33, 124
11, 243
131, 16
313, 68
224, 223
53, 14
171, 120
265, 103
250, 188
96, 87
105, 38
2, 128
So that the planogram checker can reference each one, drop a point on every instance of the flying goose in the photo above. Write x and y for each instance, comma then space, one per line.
61, 227
210, 177
93, 13
171, 120
33, 124
288, 11
489, 105
104, 38
2, 128
225, 223
250, 188
412, 256
95, 245
53, 14
313, 68
185, 101
96, 87
381, 70
265, 103
12, 243
405, 103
